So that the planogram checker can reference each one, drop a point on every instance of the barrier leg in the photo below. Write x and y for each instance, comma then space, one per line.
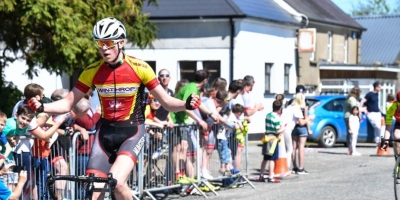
206, 183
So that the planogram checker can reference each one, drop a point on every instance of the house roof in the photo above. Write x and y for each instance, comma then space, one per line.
324, 11
195, 9
381, 42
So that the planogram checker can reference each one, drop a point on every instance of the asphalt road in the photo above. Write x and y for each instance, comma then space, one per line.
332, 175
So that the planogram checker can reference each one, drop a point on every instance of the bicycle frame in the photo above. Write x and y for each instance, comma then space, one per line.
88, 181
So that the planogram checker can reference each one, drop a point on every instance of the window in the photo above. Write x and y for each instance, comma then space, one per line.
213, 68
286, 78
268, 67
345, 46
188, 69
152, 65
336, 105
329, 46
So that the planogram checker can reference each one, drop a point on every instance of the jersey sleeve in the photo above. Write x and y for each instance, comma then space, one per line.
85, 79
145, 73
390, 111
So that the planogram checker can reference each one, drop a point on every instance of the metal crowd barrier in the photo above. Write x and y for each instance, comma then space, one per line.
172, 159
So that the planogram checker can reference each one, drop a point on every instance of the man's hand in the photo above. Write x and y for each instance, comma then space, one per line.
193, 102
35, 104
214, 117
170, 124
84, 134
203, 124
98, 109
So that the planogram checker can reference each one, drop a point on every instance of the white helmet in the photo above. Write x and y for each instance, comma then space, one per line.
109, 29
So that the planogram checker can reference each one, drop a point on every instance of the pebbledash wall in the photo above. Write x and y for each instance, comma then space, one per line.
256, 44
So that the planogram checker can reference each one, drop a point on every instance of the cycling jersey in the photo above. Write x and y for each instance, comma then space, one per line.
121, 89
393, 110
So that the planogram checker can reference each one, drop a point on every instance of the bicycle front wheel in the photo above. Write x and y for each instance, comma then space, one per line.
396, 177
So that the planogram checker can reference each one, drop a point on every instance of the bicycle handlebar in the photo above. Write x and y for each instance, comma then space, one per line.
111, 182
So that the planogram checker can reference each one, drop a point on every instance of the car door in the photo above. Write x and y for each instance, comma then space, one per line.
336, 118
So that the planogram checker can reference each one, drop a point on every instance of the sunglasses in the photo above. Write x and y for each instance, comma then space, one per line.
107, 43
164, 75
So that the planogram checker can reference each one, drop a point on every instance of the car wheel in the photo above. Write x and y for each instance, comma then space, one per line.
327, 137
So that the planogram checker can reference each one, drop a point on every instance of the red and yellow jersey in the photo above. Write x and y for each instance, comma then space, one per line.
121, 90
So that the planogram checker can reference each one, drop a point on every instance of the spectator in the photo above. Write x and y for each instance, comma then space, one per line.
299, 135
273, 129
162, 115
180, 84
371, 102
31, 90
349, 104
25, 125
184, 136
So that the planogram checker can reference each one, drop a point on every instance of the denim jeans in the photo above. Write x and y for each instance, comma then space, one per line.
41, 167
223, 151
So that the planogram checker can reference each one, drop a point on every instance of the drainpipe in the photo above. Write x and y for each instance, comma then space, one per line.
231, 48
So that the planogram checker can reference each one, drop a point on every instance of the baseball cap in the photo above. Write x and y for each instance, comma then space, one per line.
300, 89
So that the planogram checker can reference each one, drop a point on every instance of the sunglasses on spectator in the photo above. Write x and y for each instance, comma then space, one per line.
107, 43
164, 75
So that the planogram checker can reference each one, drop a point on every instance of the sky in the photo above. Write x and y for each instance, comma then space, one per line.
347, 5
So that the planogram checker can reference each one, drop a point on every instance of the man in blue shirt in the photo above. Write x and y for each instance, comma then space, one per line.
371, 102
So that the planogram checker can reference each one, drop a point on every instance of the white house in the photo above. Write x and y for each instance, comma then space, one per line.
230, 39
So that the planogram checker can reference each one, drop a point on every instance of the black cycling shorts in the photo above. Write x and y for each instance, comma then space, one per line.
112, 141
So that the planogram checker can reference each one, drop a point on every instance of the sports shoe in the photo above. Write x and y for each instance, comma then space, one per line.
206, 174
261, 178
301, 171
235, 171
183, 180
214, 187
273, 180
294, 170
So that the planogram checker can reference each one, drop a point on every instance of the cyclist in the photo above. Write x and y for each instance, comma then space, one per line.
120, 81
393, 111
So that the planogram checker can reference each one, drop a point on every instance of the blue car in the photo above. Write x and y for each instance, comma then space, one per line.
328, 125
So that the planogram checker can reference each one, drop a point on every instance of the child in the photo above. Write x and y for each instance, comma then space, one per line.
5, 149
224, 134
354, 126
273, 129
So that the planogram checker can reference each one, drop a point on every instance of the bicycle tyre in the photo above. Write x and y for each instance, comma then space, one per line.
396, 178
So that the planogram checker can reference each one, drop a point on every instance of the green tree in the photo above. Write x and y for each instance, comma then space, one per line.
56, 34
373, 7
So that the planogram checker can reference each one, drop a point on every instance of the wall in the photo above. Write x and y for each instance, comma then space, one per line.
255, 45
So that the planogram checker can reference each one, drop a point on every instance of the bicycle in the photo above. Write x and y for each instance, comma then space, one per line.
396, 170
87, 181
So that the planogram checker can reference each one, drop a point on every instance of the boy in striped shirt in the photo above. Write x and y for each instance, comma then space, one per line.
272, 130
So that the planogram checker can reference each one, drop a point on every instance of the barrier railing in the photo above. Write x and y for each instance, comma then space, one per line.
183, 158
